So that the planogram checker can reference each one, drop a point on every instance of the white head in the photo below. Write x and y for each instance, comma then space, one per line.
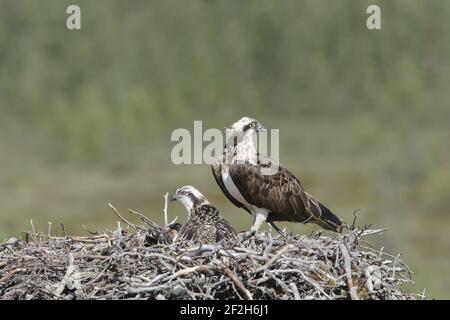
189, 197
245, 127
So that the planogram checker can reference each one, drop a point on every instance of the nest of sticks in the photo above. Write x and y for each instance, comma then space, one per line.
118, 264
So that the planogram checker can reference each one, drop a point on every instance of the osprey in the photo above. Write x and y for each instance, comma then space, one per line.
204, 224
262, 186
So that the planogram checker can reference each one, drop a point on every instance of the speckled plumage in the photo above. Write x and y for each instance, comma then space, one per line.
205, 224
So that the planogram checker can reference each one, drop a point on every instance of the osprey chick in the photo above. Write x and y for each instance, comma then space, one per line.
204, 224
243, 176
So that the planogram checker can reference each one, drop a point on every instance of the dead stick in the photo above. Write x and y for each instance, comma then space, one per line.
32, 226
348, 272
140, 215
294, 290
122, 218
186, 271
230, 274
166, 219
286, 248
49, 231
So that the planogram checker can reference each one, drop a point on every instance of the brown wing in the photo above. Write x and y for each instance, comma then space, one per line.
224, 231
217, 173
197, 233
187, 232
280, 192
206, 235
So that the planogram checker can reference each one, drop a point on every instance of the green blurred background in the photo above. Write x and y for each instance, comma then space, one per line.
86, 116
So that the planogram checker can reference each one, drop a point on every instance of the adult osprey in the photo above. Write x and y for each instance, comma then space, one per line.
262, 186
204, 224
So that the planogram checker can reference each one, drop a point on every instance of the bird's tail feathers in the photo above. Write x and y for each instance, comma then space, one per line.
328, 220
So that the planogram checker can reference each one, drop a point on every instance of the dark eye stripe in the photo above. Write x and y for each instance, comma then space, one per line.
194, 199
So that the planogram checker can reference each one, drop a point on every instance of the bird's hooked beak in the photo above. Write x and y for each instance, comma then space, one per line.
174, 197
260, 128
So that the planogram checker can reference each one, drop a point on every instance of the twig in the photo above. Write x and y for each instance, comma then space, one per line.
63, 229
32, 226
230, 274
49, 231
355, 217
186, 271
174, 220
275, 257
135, 227
348, 272
142, 217
166, 219
294, 290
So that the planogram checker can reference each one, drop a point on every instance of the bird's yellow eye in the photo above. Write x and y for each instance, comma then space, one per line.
253, 124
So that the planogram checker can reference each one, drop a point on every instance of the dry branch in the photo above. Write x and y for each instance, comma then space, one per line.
348, 272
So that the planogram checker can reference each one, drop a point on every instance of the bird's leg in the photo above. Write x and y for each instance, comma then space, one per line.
259, 218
